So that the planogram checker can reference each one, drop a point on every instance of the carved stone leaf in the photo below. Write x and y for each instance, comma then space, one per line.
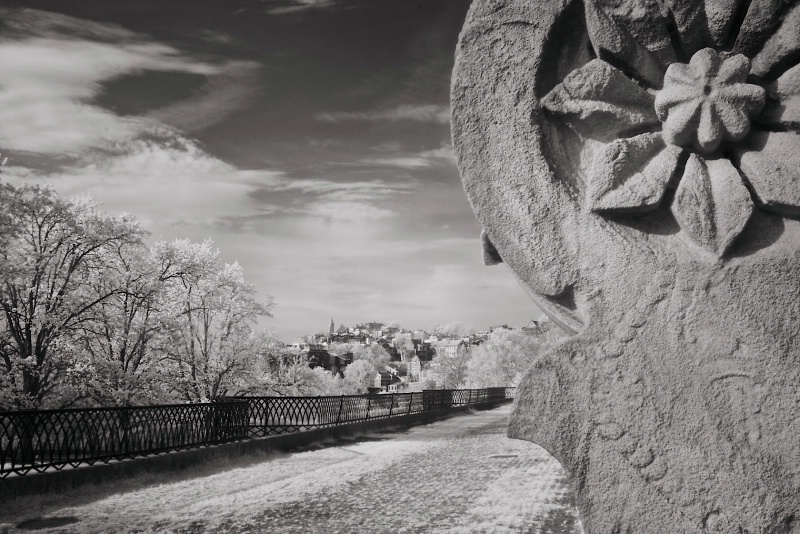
631, 175
598, 100
614, 42
692, 25
642, 20
719, 15
784, 108
781, 47
762, 17
771, 162
712, 205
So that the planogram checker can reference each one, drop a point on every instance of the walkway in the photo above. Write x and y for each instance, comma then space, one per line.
460, 475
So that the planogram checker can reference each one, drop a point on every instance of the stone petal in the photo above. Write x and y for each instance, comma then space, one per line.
681, 85
599, 100
707, 62
771, 163
614, 42
631, 175
746, 95
781, 47
667, 99
734, 120
682, 122
762, 17
709, 133
733, 70
711, 204
785, 106
682, 74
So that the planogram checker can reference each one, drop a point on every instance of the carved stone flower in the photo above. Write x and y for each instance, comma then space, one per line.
701, 100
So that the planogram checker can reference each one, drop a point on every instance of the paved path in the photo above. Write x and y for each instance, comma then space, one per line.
460, 475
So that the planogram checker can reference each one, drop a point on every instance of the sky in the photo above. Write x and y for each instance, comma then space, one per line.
309, 139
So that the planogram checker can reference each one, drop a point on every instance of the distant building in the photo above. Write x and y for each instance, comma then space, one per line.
333, 363
384, 380
414, 368
451, 347
423, 350
394, 354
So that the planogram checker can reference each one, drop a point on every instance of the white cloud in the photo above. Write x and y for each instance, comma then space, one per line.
418, 113
163, 184
408, 162
420, 160
172, 182
284, 7
54, 65
234, 87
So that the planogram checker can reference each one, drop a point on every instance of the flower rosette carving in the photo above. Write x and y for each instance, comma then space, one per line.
701, 98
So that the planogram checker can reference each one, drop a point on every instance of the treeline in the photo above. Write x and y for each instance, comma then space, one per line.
501, 360
92, 315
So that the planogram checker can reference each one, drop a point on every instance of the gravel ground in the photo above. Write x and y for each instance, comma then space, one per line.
460, 475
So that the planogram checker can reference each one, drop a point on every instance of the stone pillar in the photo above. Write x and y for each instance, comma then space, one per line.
636, 164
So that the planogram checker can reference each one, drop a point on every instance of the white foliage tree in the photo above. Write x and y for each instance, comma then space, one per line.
453, 330
505, 356
212, 311
53, 252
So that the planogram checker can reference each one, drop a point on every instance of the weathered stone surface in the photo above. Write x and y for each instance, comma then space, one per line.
632, 173
674, 262
707, 100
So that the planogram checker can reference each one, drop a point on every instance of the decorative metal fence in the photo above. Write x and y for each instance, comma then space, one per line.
278, 415
44, 439
37, 440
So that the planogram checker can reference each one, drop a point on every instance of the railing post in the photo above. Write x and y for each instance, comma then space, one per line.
410, 402
369, 403
391, 406
339, 415
266, 416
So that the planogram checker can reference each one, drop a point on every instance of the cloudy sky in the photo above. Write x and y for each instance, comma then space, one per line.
308, 138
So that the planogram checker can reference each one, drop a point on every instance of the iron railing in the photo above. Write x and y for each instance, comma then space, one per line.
44, 439
38, 440
278, 415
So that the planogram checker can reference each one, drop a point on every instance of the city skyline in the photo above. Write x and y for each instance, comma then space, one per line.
309, 139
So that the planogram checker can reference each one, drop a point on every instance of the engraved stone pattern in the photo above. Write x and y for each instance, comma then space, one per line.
673, 406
